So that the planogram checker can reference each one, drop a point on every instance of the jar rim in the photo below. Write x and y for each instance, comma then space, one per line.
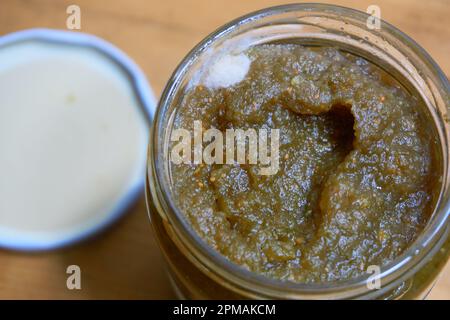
427, 243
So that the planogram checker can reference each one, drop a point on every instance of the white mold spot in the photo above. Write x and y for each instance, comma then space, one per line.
227, 70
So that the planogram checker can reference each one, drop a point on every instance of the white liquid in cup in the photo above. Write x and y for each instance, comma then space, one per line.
72, 141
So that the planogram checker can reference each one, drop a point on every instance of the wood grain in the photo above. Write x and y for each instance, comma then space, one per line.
124, 262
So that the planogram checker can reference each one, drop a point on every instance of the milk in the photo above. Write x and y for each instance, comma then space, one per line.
72, 142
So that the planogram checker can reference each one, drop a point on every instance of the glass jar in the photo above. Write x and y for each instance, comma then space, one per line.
197, 271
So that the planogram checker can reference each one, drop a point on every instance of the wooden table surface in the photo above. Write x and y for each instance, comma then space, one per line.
124, 262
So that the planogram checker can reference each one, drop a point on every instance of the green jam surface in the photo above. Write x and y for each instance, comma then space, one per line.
357, 176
